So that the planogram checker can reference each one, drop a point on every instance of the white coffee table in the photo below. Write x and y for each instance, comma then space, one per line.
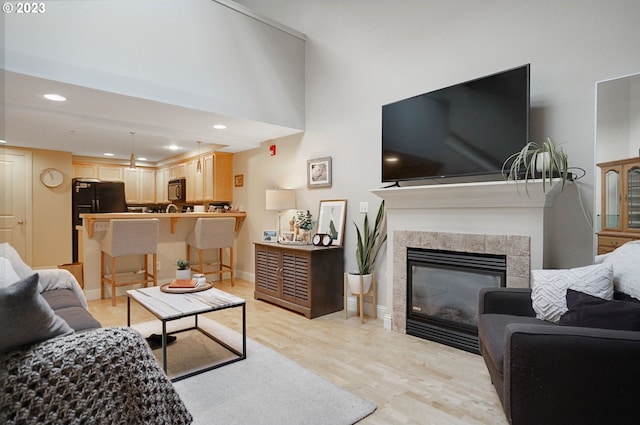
173, 306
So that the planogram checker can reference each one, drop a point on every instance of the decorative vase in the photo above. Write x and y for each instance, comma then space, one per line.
183, 274
543, 162
354, 282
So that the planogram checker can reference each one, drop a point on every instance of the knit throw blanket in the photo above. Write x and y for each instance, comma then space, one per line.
104, 376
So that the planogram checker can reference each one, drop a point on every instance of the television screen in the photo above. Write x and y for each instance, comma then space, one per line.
468, 129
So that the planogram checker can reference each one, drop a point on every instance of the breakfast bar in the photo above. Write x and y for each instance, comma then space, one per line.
173, 230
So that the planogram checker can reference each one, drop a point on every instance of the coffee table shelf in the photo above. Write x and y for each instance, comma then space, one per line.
171, 306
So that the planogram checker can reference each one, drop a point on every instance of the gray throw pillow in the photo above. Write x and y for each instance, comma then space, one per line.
26, 317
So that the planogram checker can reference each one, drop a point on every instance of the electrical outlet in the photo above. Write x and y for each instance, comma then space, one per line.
364, 207
158, 265
100, 226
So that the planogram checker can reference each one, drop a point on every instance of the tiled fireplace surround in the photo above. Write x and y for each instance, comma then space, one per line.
484, 217
515, 248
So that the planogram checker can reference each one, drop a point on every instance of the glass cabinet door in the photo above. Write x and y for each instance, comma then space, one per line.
633, 198
611, 201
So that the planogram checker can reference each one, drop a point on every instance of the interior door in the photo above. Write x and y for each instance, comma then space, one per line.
15, 191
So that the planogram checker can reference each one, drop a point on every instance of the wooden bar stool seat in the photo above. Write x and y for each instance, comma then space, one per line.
124, 238
213, 233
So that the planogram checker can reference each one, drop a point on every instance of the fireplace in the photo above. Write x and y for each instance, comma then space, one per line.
442, 293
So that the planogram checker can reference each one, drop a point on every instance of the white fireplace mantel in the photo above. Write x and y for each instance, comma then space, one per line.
468, 210
496, 194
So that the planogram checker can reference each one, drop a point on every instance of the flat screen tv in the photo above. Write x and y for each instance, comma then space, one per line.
467, 130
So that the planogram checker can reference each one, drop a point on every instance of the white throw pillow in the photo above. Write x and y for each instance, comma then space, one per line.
626, 268
549, 288
8, 276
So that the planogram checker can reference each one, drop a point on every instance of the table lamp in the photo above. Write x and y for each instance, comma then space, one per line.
280, 200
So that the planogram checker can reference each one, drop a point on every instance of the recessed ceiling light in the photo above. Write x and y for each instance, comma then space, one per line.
220, 127
55, 97
392, 159
141, 159
107, 154
3, 141
174, 147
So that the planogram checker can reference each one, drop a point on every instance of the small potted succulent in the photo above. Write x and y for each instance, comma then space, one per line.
183, 271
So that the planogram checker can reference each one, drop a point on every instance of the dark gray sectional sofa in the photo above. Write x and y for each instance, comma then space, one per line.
548, 374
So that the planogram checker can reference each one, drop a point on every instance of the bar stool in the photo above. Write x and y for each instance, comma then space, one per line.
129, 237
213, 233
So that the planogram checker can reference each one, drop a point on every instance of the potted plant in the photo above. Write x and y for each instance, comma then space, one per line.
369, 243
546, 161
183, 272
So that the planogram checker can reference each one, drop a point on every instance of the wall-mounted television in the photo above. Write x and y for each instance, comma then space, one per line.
466, 130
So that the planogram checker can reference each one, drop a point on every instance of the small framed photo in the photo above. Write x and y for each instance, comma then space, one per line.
287, 237
331, 219
319, 172
238, 180
269, 236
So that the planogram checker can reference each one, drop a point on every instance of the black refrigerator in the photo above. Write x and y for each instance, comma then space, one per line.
94, 196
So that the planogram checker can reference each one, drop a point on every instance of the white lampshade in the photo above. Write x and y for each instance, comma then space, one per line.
280, 199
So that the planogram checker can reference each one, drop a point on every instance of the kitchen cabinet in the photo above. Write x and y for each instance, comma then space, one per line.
620, 199
162, 180
303, 278
98, 171
140, 185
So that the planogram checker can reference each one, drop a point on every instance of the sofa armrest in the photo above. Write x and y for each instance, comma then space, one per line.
514, 301
562, 375
50, 279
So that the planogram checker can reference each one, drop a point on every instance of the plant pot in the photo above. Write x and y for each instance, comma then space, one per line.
543, 162
354, 283
183, 274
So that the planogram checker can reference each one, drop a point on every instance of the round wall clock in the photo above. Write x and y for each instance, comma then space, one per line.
51, 177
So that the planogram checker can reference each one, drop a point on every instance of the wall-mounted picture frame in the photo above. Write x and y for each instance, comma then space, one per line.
238, 180
269, 236
331, 219
319, 172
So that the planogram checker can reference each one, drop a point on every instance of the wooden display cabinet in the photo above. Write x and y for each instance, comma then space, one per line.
620, 200
303, 278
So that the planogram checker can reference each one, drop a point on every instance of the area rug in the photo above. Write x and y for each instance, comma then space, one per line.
264, 389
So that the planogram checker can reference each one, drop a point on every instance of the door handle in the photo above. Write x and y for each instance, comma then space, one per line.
21, 221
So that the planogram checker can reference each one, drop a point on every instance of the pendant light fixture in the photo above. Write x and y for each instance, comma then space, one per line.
132, 159
199, 163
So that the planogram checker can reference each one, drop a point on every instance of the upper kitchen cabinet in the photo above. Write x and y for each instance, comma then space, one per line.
140, 185
215, 182
98, 171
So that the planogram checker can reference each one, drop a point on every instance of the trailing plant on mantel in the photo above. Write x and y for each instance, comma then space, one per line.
544, 161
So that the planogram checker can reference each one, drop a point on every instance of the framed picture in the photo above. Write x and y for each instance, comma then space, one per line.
331, 219
269, 236
238, 180
287, 237
319, 172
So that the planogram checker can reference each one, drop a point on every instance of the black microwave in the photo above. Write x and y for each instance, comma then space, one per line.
177, 190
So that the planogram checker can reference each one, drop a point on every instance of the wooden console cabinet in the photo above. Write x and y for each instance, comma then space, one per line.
303, 278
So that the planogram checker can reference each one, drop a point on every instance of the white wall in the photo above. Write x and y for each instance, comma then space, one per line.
193, 53
361, 54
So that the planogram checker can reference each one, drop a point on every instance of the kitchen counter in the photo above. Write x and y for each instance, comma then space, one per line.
172, 234
89, 219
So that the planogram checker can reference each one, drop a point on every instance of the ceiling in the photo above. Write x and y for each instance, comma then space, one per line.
93, 122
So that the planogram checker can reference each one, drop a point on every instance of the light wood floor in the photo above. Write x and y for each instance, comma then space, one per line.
411, 380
